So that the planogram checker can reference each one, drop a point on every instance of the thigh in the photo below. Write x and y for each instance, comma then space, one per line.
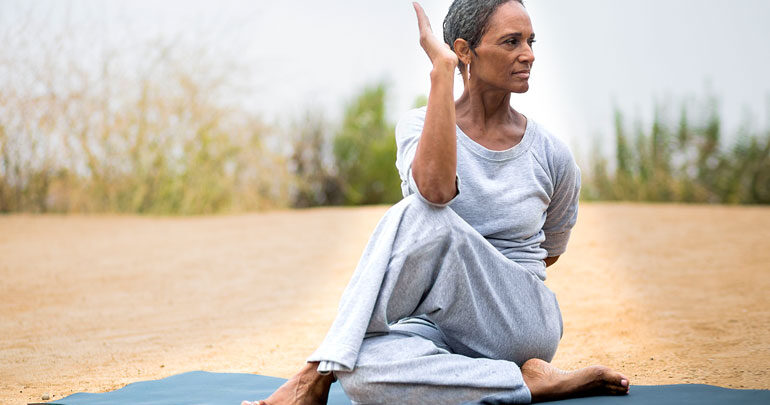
427, 260
485, 304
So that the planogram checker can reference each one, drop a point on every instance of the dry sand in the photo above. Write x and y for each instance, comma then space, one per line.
666, 293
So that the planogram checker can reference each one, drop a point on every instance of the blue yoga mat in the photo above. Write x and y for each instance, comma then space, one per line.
194, 388
201, 387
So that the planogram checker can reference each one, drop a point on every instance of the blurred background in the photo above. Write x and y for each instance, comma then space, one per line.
199, 107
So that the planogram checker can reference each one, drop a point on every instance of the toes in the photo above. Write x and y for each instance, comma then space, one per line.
624, 378
612, 381
616, 387
615, 378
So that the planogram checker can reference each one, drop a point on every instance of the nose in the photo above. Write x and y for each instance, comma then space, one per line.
527, 56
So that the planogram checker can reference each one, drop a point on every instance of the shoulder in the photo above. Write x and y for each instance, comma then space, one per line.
549, 145
410, 122
414, 114
552, 152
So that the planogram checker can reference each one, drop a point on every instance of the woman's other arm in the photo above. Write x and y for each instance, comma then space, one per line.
435, 162
562, 212
550, 260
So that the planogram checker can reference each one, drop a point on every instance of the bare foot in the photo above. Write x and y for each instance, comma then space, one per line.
307, 387
548, 383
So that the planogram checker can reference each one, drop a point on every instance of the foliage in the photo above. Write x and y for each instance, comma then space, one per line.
365, 151
350, 163
315, 181
156, 141
685, 161
146, 129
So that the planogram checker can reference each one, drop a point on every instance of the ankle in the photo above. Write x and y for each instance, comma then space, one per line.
310, 371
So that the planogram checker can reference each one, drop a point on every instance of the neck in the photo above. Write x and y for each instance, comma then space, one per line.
484, 107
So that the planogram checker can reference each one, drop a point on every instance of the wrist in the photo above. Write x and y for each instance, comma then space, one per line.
443, 70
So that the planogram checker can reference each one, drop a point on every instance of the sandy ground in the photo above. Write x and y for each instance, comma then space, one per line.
665, 293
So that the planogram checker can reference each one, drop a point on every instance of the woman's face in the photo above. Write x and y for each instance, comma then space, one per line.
504, 55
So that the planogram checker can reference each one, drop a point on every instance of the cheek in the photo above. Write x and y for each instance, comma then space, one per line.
499, 66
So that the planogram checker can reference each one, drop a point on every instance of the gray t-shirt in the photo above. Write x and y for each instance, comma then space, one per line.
523, 200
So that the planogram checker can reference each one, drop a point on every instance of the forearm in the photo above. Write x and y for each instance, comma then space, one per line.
435, 162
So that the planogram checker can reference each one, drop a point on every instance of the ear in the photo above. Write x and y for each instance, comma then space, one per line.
463, 51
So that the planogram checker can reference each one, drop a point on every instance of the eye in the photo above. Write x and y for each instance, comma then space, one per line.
515, 41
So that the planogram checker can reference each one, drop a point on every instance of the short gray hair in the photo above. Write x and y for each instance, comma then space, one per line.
467, 19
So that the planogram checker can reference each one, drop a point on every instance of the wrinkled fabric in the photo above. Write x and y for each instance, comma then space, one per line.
479, 314
448, 299
523, 200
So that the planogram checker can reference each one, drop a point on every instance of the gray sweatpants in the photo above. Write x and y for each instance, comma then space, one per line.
435, 314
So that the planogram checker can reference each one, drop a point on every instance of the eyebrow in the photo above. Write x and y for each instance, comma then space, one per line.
515, 35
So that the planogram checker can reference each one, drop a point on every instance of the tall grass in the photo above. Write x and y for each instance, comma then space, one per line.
144, 131
685, 160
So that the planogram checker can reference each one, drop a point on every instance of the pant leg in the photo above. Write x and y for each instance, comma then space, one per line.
427, 260
398, 368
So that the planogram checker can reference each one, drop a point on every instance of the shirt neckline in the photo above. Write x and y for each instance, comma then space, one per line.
498, 155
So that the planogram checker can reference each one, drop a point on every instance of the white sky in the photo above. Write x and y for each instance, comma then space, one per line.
590, 54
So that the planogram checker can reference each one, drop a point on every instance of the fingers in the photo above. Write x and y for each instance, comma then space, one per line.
422, 19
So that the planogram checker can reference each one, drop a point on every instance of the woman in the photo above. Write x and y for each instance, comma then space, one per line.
448, 305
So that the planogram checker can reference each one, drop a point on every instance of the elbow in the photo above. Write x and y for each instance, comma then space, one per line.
550, 260
436, 188
439, 196
439, 193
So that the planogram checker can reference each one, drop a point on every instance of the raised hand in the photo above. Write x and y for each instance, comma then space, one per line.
438, 51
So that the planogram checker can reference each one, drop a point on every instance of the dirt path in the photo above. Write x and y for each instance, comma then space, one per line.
666, 293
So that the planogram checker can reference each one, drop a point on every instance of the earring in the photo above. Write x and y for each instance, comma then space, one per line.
469, 71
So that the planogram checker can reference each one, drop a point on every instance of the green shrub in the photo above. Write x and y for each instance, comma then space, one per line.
365, 151
685, 162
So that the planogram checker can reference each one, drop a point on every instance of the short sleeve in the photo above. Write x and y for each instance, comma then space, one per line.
408, 132
562, 211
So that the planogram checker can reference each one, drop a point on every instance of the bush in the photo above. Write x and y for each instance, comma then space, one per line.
684, 162
153, 138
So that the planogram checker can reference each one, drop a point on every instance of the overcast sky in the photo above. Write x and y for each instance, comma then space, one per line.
590, 54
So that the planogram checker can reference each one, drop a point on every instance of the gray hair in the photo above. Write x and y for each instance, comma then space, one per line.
467, 19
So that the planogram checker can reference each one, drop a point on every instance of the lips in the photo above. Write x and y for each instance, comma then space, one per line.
523, 74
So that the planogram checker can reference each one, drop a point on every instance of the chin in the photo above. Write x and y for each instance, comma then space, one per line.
521, 88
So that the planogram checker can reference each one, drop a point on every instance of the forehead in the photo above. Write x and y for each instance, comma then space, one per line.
510, 17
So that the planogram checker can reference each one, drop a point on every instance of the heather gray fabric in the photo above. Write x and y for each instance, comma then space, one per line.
462, 280
491, 313
524, 200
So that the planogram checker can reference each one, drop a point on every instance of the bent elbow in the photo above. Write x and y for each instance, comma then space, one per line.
438, 194
434, 189
439, 197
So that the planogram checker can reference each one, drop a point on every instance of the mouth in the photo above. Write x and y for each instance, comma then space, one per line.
523, 74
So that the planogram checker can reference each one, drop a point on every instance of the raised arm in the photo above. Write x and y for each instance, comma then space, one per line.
435, 163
